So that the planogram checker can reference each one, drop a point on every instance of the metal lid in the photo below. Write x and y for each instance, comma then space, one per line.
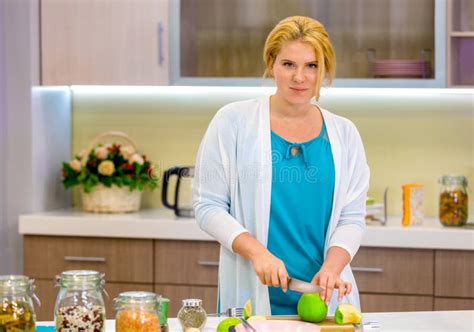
453, 179
16, 284
192, 302
137, 298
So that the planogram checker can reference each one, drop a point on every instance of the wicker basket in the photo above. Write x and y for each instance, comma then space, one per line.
112, 199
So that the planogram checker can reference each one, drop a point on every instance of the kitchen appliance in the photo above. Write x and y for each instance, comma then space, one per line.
183, 191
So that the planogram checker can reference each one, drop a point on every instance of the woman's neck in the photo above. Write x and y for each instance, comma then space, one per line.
281, 108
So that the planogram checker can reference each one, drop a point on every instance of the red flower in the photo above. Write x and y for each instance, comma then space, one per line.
127, 167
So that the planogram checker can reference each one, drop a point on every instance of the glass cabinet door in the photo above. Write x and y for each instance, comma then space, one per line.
375, 40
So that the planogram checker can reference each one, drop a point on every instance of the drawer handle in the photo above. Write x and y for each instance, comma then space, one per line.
84, 259
208, 263
368, 269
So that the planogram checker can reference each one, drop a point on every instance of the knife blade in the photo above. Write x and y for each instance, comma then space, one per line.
301, 286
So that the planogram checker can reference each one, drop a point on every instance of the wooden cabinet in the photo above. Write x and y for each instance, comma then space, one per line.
441, 303
393, 303
99, 42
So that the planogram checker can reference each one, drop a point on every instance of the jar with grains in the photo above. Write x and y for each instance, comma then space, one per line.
453, 200
192, 314
16, 305
137, 312
79, 304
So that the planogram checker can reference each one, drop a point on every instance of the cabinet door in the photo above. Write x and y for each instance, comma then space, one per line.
453, 304
176, 293
47, 293
392, 303
114, 42
454, 270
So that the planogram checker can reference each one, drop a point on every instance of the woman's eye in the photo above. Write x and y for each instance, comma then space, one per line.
287, 64
313, 65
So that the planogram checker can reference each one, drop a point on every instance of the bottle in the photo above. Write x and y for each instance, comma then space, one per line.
16, 306
138, 312
192, 314
453, 200
79, 305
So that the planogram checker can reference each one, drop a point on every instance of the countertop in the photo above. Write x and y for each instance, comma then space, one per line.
163, 224
449, 321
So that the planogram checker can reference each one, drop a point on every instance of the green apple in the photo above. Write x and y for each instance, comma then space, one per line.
311, 308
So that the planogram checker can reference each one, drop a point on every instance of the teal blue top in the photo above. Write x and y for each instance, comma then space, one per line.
301, 202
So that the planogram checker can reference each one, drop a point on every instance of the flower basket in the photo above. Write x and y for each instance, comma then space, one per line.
111, 177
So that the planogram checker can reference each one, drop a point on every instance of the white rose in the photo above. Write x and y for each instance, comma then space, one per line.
136, 158
75, 165
101, 153
127, 151
106, 168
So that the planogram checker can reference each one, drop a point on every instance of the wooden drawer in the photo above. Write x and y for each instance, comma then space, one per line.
392, 303
47, 293
441, 303
396, 271
176, 294
121, 260
186, 262
454, 272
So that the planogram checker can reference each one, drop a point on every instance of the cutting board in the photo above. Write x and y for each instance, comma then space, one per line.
328, 325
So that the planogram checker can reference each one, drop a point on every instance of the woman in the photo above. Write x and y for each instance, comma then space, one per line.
282, 183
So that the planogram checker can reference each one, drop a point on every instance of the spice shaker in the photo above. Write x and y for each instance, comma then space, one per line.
138, 312
16, 305
453, 200
79, 305
192, 314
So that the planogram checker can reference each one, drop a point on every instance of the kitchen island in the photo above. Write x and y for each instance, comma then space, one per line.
446, 321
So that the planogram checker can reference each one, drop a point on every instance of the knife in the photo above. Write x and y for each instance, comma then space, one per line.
301, 286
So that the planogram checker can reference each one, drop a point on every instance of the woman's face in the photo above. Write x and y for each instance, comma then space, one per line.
296, 72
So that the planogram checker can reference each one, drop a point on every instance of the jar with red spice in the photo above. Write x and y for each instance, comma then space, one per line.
138, 312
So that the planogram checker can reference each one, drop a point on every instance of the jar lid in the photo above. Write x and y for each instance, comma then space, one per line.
192, 302
136, 298
81, 278
454, 179
16, 284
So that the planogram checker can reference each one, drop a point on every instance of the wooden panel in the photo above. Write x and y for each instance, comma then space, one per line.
186, 262
403, 271
441, 303
454, 273
47, 293
112, 42
176, 294
124, 260
391, 303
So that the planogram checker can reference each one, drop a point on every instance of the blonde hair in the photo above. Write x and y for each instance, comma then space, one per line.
306, 30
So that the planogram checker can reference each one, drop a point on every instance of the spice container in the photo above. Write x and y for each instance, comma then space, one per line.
16, 307
79, 304
192, 314
453, 200
138, 312
412, 195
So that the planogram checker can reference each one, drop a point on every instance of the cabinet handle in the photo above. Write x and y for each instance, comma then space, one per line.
161, 58
208, 263
368, 269
84, 259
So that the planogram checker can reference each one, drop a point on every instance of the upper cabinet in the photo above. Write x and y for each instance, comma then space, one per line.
104, 42
378, 42
460, 42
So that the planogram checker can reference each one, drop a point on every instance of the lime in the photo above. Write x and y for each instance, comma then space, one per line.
248, 309
347, 314
370, 201
226, 323
311, 308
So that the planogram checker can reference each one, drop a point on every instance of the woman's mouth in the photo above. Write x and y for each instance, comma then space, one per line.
298, 90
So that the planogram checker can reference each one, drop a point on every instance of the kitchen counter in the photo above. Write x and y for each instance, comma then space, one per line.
163, 224
448, 321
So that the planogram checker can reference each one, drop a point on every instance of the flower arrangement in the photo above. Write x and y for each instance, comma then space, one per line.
110, 164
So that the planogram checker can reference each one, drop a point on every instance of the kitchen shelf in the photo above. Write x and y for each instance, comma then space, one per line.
462, 34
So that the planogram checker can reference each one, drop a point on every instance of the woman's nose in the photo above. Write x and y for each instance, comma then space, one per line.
298, 76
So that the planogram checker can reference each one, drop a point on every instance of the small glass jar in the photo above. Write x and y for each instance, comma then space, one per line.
453, 200
16, 306
79, 304
138, 312
192, 314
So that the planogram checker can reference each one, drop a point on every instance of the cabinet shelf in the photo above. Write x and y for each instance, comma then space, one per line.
462, 34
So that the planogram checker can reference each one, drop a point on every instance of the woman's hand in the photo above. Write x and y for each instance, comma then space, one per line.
330, 280
270, 270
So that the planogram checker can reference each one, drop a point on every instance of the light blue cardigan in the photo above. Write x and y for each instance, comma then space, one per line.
232, 188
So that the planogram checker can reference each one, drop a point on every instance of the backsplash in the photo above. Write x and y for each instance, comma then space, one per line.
410, 135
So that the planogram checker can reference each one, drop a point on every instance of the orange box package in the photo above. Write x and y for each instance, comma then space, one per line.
412, 204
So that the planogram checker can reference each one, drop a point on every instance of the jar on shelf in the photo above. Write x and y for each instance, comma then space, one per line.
453, 200
79, 304
138, 312
16, 306
192, 314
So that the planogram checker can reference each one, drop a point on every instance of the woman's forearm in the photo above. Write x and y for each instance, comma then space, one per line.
247, 246
336, 259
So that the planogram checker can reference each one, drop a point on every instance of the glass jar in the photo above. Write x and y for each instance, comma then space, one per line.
453, 200
79, 304
192, 314
16, 307
137, 311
